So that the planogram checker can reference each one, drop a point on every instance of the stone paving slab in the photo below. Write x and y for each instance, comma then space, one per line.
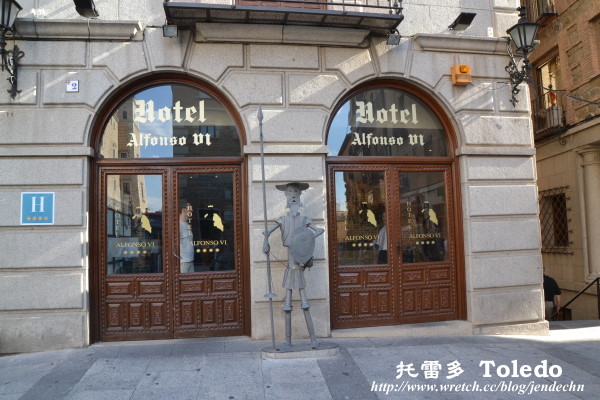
233, 369
17, 379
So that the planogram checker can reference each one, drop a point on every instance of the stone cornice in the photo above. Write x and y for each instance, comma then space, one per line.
284, 34
461, 44
45, 151
278, 149
61, 29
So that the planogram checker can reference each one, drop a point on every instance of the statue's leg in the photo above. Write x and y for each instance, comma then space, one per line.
309, 323
288, 317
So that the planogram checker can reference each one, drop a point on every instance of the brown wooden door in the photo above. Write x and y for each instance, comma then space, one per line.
393, 247
208, 277
170, 261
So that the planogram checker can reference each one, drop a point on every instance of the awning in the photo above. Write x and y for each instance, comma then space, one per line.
379, 20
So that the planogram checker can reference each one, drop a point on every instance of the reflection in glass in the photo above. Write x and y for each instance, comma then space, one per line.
424, 219
134, 224
386, 122
206, 222
361, 218
170, 121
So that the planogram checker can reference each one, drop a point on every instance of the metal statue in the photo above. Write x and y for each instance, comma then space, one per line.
298, 234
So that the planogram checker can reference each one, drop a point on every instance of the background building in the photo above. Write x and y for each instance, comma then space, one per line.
379, 132
567, 135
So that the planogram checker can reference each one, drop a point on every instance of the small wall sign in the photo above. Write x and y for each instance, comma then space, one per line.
37, 208
72, 86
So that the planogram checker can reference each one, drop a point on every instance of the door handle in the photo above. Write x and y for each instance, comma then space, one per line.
177, 257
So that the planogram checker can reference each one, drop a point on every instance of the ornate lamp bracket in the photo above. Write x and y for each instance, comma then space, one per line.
10, 63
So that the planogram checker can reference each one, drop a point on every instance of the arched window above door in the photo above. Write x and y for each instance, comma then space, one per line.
384, 122
167, 121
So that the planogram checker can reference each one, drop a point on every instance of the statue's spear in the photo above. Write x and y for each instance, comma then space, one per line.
270, 295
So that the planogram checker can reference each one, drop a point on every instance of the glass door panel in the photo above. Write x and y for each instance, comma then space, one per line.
206, 222
360, 217
134, 221
423, 217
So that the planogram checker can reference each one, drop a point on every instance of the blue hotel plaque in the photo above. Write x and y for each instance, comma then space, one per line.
37, 208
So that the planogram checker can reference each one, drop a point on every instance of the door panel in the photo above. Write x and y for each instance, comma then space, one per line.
393, 251
427, 266
135, 288
363, 274
209, 280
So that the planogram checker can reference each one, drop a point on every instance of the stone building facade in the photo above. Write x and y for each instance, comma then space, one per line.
567, 135
463, 249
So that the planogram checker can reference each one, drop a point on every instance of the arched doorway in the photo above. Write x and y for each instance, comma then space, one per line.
168, 222
395, 232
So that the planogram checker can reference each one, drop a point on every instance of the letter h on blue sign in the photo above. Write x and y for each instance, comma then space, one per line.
37, 208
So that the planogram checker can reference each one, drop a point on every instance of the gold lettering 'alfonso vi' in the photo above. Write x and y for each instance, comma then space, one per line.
210, 242
136, 244
368, 139
425, 235
361, 237
147, 139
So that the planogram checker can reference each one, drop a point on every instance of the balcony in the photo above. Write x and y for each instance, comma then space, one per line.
548, 116
542, 11
378, 16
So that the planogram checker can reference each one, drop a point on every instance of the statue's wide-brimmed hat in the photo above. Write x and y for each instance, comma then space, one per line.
300, 185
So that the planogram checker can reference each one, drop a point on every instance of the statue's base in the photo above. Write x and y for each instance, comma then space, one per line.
301, 351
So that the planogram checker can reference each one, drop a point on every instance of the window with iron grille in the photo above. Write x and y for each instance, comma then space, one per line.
554, 221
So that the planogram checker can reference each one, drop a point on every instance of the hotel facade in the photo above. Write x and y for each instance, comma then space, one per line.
132, 197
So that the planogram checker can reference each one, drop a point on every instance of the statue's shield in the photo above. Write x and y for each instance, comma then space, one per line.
302, 246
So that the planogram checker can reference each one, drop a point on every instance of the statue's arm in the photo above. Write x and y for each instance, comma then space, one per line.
266, 246
318, 231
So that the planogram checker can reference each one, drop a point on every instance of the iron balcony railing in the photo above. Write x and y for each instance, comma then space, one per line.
373, 6
379, 16
548, 115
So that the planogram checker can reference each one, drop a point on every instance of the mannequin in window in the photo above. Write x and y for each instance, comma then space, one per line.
381, 242
186, 240
433, 247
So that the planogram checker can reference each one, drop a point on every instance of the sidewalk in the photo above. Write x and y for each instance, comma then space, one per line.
232, 368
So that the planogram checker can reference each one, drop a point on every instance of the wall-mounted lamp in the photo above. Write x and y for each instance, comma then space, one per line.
522, 36
86, 8
10, 58
393, 38
462, 22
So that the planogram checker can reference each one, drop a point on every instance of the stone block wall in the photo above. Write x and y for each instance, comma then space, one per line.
46, 145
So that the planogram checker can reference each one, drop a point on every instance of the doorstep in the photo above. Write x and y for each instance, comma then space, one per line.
444, 328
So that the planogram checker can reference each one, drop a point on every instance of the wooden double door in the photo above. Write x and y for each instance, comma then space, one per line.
170, 262
393, 249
